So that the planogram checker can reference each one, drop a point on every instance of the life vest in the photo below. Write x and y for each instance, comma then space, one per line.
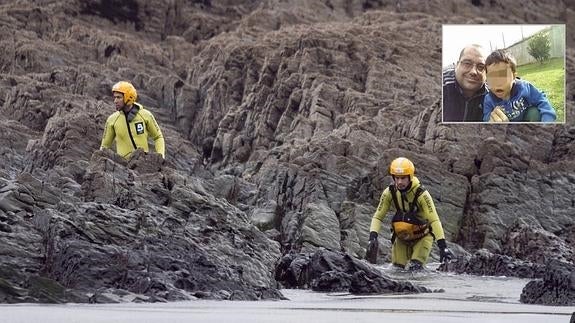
406, 225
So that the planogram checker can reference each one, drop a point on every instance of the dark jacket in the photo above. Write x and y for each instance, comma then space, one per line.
456, 108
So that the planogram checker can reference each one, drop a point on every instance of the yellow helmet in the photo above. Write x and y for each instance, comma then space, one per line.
402, 166
128, 90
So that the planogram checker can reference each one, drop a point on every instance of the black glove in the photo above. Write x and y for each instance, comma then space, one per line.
445, 255
372, 248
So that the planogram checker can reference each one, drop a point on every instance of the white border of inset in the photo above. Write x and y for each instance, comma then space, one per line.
481, 34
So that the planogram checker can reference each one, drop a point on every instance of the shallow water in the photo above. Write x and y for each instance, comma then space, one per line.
465, 298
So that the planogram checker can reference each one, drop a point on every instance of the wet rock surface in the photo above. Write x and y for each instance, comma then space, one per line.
280, 119
557, 286
485, 263
137, 230
328, 271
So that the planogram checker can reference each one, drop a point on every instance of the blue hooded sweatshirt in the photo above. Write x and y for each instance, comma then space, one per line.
523, 96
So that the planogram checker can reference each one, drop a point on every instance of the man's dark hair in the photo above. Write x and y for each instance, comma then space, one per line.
501, 56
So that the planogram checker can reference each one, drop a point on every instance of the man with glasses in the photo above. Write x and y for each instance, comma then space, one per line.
464, 87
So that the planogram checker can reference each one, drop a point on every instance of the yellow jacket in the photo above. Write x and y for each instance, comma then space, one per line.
426, 209
142, 126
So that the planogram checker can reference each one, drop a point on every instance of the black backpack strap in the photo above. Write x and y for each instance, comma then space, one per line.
130, 131
410, 216
394, 198
420, 190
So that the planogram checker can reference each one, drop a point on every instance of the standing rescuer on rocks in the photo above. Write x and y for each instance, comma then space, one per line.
131, 124
415, 224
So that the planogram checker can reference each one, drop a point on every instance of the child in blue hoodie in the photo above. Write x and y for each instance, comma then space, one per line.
517, 99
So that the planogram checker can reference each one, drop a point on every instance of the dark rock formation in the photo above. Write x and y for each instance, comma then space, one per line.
483, 262
537, 245
280, 119
140, 230
557, 286
328, 271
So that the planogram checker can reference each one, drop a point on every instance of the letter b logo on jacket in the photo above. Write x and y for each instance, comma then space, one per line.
139, 128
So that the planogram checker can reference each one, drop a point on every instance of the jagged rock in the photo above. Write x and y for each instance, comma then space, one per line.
483, 262
279, 116
499, 200
536, 245
329, 271
362, 283
557, 286
167, 251
46, 290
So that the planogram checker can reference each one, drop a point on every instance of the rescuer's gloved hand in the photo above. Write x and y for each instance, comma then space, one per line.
445, 255
372, 248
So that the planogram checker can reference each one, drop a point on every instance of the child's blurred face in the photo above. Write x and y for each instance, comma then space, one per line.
500, 79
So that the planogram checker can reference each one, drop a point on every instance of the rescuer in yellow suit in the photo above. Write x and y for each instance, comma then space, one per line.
131, 125
415, 224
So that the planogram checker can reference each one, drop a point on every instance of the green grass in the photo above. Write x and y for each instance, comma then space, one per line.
548, 77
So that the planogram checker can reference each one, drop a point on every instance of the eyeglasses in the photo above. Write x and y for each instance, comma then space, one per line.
468, 65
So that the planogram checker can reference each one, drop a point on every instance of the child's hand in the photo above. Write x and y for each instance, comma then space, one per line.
497, 115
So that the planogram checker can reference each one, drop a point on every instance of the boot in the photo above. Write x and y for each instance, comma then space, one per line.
414, 265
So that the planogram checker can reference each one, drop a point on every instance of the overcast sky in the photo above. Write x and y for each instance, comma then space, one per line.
492, 37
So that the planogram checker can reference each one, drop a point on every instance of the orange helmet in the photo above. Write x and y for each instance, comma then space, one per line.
128, 90
402, 166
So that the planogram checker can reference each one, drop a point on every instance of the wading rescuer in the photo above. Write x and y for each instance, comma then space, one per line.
415, 224
131, 125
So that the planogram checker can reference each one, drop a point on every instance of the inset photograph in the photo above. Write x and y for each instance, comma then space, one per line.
503, 74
